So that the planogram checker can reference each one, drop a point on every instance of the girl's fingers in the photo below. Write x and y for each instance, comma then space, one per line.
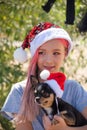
59, 120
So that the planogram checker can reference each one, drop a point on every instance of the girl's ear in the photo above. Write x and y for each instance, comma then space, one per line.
66, 52
33, 80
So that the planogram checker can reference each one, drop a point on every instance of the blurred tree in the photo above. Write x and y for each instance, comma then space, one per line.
9, 74
16, 19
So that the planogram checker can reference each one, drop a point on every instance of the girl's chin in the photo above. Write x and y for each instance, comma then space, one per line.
51, 70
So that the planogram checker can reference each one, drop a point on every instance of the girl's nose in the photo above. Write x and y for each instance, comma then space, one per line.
48, 59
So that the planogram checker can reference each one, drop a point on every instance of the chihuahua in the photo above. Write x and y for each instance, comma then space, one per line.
52, 105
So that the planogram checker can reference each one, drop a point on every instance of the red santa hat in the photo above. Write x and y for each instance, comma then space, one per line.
38, 36
55, 80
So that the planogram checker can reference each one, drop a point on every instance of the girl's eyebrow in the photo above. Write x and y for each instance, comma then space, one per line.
45, 49
57, 49
42, 50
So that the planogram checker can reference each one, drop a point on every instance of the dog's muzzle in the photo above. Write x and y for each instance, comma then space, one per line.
37, 99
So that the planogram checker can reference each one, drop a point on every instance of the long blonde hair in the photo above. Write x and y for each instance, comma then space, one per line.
29, 109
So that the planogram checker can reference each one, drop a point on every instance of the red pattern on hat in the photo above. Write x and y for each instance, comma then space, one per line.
36, 30
34, 40
59, 77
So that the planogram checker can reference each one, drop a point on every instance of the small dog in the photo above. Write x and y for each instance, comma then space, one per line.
52, 105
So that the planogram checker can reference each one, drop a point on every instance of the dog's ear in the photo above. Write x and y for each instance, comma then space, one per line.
33, 80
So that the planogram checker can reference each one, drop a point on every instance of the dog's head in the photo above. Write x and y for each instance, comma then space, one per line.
44, 95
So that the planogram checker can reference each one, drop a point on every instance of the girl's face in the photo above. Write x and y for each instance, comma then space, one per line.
51, 55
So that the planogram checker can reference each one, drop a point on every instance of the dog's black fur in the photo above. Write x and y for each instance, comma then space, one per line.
46, 98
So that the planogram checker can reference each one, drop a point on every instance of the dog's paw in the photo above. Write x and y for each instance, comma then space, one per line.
69, 117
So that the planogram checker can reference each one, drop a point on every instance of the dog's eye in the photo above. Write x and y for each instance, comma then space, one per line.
44, 94
42, 91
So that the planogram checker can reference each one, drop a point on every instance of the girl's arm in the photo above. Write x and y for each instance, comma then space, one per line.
84, 112
24, 126
61, 123
63, 126
20, 124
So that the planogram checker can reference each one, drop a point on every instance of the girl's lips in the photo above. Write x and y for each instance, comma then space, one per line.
49, 67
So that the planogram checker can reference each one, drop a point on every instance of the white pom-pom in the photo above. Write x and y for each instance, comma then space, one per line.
44, 74
20, 55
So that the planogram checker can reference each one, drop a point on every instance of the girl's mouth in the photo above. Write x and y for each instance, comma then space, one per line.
50, 68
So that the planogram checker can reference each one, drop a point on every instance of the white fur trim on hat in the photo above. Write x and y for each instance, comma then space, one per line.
55, 87
47, 35
20, 55
44, 74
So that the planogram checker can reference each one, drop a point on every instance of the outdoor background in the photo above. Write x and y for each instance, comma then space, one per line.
17, 17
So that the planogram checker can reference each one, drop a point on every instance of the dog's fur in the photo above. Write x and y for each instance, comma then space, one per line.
52, 105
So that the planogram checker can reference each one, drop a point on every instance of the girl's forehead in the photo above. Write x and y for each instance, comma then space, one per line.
55, 43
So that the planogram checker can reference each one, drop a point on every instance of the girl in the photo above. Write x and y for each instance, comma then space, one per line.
49, 45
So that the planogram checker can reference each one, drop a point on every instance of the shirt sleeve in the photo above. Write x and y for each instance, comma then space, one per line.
75, 94
13, 101
80, 98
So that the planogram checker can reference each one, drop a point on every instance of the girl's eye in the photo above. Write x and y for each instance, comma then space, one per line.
56, 53
41, 53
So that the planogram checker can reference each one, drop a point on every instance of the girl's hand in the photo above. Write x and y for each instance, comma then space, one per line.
61, 125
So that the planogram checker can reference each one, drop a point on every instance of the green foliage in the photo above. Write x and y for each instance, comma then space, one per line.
9, 73
76, 65
5, 124
17, 17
